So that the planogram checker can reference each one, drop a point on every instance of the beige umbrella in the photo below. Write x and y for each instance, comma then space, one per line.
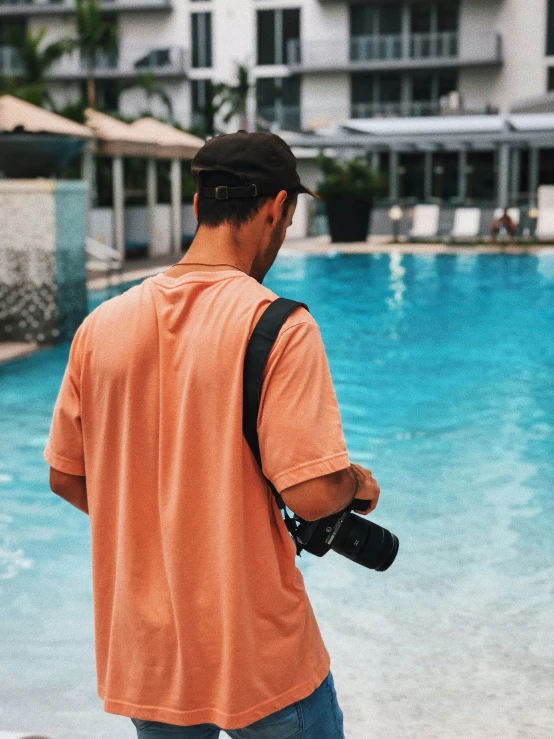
119, 139
173, 144
17, 114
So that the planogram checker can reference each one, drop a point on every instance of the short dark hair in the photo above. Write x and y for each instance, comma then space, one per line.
235, 211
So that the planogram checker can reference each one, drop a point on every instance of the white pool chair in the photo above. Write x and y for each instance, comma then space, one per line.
100, 258
425, 224
467, 222
545, 224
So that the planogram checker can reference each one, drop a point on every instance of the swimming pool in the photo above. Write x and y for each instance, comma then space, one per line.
443, 367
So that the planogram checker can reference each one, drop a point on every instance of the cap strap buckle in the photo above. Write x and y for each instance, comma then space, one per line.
222, 192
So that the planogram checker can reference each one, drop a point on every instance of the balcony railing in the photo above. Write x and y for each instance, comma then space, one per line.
397, 46
285, 116
163, 62
395, 51
433, 45
30, 7
388, 46
395, 109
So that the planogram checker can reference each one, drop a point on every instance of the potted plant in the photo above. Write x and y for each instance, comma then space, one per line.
347, 189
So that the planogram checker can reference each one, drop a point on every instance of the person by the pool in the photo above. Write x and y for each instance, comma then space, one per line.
503, 221
200, 613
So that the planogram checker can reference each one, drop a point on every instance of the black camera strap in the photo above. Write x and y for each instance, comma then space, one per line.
263, 337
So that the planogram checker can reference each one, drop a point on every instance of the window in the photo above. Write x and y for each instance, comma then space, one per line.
390, 19
550, 78
447, 82
363, 20
154, 59
550, 29
376, 19
362, 88
201, 40
411, 179
10, 27
421, 18
278, 102
279, 36
447, 16
481, 180
107, 94
422, 86
445, 175
391, 87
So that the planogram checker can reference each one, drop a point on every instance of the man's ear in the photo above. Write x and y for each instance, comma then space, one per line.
277, 205
195, 205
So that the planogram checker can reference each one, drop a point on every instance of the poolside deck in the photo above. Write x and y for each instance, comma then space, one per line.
137, 268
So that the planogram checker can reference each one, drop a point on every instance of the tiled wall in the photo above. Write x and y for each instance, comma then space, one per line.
42, 259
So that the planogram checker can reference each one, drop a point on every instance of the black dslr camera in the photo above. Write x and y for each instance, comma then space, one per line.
362, 541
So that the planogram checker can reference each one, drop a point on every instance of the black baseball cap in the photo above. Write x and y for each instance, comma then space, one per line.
262, 161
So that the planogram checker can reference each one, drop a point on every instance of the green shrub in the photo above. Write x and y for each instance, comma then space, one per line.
352, 177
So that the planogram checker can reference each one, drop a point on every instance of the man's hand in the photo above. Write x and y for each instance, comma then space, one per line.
368, 489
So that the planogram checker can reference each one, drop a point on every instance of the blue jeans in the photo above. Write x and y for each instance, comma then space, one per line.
316, 717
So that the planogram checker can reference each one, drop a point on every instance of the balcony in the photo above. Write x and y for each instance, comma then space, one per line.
65, 7
165, 63
279, 116
394, 52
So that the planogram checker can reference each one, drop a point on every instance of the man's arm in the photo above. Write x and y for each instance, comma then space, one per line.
72, 488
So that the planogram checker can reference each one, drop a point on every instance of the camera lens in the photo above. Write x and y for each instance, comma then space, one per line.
366, 543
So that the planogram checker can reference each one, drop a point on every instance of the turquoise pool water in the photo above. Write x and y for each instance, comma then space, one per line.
443, 367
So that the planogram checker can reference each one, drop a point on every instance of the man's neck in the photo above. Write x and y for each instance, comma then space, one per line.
218, 246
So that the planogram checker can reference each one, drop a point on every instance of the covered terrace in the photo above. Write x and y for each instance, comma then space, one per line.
488, 160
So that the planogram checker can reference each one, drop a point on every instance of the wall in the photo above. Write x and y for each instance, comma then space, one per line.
325, 99
42, 259
523, 25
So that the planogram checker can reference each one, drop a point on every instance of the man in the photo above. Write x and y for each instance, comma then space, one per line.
504, 221
201, 616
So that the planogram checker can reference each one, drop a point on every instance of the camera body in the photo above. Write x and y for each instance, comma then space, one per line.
354, 537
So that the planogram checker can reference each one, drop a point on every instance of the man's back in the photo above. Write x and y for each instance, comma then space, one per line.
200, 611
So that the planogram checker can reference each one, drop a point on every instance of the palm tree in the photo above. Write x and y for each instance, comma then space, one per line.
32, 62
235, 97
147, 82
214, 102
94, 35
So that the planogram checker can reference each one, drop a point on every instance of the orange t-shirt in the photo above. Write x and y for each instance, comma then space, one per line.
200, 612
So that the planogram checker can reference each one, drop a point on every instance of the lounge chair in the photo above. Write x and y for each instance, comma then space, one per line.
545, 224
101, 258
425, 224
467, 222
545, 220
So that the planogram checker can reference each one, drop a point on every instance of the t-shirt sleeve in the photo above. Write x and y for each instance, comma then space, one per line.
64, 449
299, 424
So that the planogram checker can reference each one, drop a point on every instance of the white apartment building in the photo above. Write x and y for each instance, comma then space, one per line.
315, 62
